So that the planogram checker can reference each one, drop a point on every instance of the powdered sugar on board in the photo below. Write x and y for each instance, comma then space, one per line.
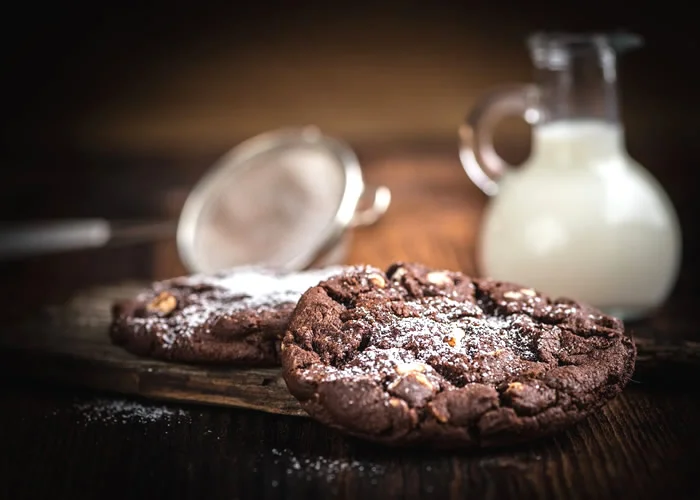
320, 467
124, 411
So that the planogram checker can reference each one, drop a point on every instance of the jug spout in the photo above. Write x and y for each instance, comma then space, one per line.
577, 74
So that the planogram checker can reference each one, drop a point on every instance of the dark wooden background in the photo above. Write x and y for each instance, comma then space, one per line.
115, 111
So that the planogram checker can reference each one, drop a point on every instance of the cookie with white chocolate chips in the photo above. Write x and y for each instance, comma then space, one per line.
234, 317
417, 356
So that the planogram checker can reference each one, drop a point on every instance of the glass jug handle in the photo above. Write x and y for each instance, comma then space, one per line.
479, 158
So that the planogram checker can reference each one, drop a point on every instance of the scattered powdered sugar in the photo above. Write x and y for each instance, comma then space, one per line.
123, 411
317, 466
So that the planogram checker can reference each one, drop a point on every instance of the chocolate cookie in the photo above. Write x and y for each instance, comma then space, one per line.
430, 357
236, 317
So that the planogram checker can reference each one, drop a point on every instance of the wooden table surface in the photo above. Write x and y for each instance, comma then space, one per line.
60, 441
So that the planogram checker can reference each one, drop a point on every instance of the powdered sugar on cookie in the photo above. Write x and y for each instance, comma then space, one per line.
260, 287
176, 310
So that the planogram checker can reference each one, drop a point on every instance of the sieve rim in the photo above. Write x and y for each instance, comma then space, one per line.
238, 157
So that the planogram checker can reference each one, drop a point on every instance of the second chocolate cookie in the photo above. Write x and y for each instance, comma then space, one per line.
432, 357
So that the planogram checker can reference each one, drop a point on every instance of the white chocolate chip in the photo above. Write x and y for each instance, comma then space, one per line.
422, 380
454, 337
439, 415
414, 367
458, 333
377, 280
514, 386
512, 295
528, 291
494, 353
164, 303
439, 278
398, 403
398, 274
418, 377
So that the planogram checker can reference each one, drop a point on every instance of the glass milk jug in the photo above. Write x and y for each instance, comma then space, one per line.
580, 218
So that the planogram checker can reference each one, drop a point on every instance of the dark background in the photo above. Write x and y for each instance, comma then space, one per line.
115, 109
157, 76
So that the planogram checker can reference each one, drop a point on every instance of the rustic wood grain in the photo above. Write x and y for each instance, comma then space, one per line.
659, 361
636, 447
70, 346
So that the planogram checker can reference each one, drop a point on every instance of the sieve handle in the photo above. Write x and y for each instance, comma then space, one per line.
41, 238
379, 199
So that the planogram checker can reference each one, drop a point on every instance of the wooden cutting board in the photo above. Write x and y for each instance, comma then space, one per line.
69, 345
